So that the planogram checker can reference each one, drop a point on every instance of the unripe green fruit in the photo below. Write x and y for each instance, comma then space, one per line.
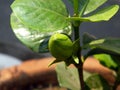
60, 46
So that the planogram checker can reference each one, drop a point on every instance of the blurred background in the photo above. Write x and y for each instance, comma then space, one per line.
13, 47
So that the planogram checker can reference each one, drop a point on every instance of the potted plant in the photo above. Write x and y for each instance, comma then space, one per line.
47, 25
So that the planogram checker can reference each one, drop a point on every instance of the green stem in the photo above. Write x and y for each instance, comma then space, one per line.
76, 25
76, 5
80, 65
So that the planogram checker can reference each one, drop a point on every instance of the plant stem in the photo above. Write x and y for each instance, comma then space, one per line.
75, 6
80, 70
76, 25
79, 66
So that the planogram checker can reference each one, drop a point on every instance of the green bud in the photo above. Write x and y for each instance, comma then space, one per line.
60, 46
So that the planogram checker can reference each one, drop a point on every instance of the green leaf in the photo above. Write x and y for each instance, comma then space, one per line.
86, 75
68, 77
79, 5
87, 38
106, 60
102, 15
41, 15
82, 6
76, 46
96, 82
93, 5
55, 61
110, 44
76, 59
33, 39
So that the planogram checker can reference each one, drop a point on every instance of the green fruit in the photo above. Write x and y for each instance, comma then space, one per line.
60, 46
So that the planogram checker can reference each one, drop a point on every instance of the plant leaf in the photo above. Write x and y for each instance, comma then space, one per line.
82, 4
102, 15
76, 59
41, 15
87, 38
109, 44
96, 82
106, 60
68, 77
93, 5
106, 57
76, 46
33, 39
55, 61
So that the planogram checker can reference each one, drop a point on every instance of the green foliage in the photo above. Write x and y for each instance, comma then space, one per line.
30, 37
102, 15
86, 6
110, 44
87, 38
96, 82
76, 47
43, 15
93, 5
106, 50
34, 21
79, 6
106, 60
68, 77
37, 38
92, 81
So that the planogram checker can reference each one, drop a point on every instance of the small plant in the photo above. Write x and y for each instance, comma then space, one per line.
39, 22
